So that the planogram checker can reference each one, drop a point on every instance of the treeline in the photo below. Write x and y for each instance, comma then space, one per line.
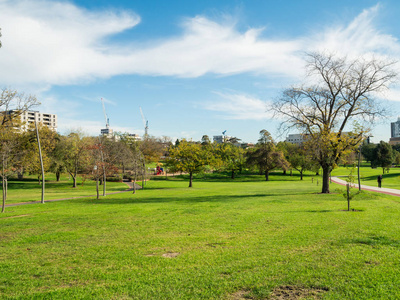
381, 155
194, 157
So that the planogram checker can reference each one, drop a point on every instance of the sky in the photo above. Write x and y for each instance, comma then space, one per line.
194, 67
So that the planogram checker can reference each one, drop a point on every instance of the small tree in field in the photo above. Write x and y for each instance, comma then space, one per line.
265, 155
299, 159
342, 91
189, 158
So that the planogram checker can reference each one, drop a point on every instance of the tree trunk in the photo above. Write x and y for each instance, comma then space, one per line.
104, 184
97, 188
301, 175
58, 175
190, 178
73, 181
266, 175
233, 174
4, 196
284, 172
134, 186
325, 179
348, 196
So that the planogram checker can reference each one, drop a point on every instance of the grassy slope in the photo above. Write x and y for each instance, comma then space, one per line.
242, 235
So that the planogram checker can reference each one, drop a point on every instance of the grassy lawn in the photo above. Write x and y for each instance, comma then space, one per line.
29, 189
222, 239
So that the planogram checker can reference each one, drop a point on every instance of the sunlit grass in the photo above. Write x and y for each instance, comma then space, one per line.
211, 241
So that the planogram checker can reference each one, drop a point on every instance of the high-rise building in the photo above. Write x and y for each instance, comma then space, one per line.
29, 117
395, 132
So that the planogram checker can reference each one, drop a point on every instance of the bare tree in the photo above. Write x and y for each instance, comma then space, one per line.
12, 105
336, 110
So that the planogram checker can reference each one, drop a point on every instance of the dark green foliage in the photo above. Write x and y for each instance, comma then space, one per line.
368, 151
383, 156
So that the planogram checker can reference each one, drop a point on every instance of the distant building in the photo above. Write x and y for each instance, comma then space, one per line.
295, 139
395, 132
107, 132
29, 117
135, 136
219, 139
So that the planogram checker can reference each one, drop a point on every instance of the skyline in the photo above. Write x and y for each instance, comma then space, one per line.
195, 70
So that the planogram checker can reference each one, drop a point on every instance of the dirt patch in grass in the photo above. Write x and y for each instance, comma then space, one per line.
170, 254
240, 295
12, 217
295, 292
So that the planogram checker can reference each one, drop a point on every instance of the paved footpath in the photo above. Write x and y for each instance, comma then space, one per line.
130, 185
387, 191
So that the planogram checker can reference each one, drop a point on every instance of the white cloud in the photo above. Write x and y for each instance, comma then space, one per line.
57, 43
237, 106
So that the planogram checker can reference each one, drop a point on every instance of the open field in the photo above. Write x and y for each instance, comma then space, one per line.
29, 189
222, 239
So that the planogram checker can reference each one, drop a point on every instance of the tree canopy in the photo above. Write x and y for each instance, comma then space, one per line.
334, 111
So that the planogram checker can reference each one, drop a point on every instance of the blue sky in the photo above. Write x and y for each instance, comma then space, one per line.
195, 67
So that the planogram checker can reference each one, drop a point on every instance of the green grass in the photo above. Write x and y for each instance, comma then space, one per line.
29, 189
369, 176
244, 235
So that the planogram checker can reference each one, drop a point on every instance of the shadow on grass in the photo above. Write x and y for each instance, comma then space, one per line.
218, 177
374, 241
187, 199
374, 177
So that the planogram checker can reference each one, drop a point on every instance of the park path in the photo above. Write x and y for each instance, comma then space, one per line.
130, 189
387, 191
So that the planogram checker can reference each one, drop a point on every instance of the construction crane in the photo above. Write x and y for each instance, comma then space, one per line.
145, 123
107, 131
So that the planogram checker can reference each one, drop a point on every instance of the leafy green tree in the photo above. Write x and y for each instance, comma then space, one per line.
152, 149
341, 92
189, 157
367, 151
383, 156
265, 155
73, 151
31, 160
299, 159
205, 140
231, 157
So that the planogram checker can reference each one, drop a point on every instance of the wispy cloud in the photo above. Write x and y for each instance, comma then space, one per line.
238, 106
359, 37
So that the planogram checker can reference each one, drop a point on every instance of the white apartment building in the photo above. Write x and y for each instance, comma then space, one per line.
29, 117
295, 139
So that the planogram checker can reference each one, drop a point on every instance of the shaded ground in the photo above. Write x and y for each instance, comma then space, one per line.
128, 183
